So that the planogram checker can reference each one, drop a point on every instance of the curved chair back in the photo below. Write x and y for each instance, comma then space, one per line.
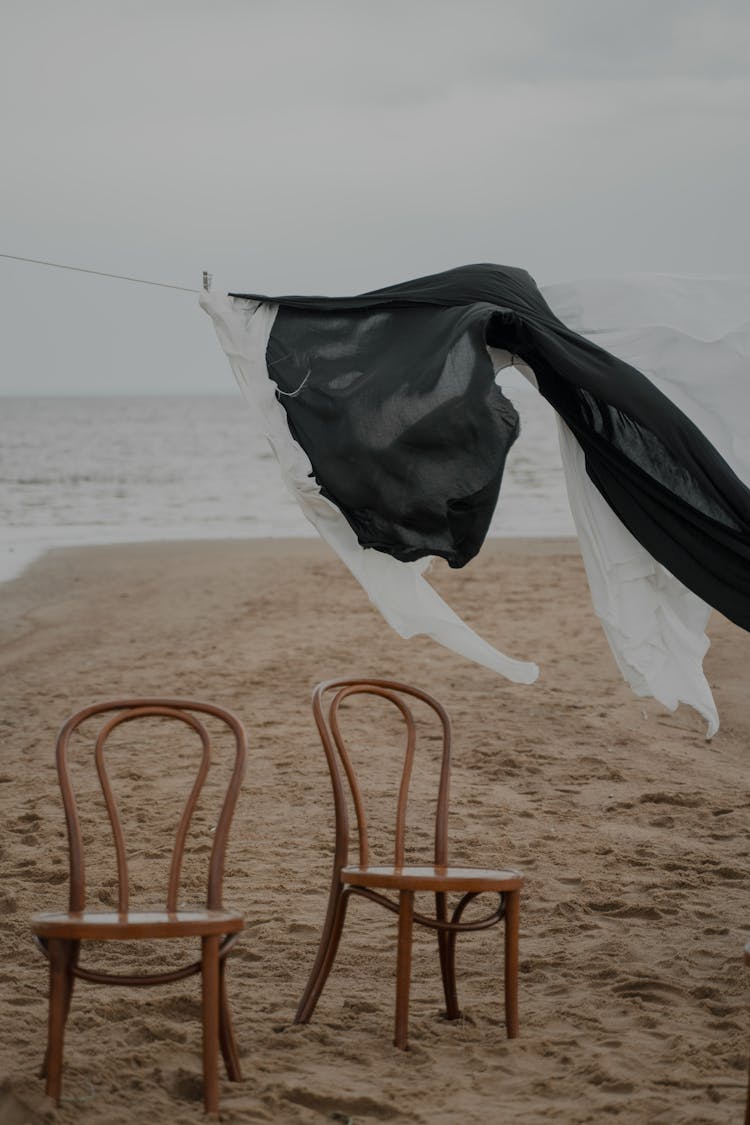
125, 711
327, 700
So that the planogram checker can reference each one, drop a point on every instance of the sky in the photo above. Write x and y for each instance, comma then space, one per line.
335, 147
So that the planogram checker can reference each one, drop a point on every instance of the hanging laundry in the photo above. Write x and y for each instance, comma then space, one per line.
392, 432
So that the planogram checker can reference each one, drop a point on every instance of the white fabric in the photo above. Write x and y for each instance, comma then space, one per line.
691, 338
654, 625
689, 335
399, 590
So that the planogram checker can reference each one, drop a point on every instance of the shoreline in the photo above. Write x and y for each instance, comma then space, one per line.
630, 830
26, 554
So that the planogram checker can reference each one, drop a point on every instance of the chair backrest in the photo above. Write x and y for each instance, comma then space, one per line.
127, 710
327, 700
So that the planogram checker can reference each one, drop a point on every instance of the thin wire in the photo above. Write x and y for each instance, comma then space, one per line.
99, 273
293, 394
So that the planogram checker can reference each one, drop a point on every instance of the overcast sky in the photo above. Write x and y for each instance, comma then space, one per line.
340, 146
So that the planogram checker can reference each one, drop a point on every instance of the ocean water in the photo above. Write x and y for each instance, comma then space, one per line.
77, 471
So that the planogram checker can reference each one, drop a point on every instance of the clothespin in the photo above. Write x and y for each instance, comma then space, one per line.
207, 279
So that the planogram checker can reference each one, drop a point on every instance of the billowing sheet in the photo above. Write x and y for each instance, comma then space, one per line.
389, 399
691, 338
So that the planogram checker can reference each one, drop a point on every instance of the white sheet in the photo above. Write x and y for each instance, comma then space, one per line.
654, 625
691, 337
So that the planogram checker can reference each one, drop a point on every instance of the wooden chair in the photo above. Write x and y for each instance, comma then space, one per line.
60, 935
369, 881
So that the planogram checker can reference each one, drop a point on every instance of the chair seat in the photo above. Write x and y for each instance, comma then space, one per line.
412, 878
99, 926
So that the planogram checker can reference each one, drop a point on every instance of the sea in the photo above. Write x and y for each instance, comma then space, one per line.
90, 470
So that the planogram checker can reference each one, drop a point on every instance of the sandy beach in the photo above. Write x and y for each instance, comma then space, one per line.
631, 830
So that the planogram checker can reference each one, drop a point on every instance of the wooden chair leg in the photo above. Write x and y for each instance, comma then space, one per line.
59, 1001
73, 948
226, 1032
512, 902
210, 990
447, 946
447, 951
333, 900
329, 944
403, 968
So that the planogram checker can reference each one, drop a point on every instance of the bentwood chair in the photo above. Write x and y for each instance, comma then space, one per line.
60, 935
368, 881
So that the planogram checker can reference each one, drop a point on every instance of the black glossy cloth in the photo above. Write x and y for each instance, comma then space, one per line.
392, 396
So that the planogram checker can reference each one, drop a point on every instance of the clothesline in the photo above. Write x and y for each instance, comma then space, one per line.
99, 273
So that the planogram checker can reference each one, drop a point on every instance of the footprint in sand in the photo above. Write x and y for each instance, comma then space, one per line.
622, 910
649, 988
346, 1109
683, 800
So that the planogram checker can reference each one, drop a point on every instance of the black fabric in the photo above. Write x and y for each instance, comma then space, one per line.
401, 418
392, 396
